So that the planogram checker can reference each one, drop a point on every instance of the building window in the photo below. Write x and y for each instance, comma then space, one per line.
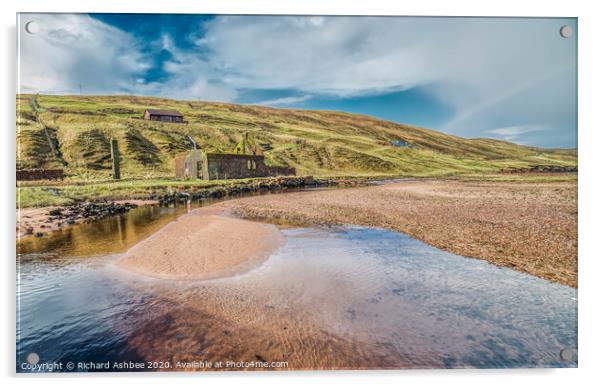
254, 164
249, 164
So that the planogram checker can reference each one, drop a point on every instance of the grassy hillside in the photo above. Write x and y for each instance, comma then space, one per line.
74, 132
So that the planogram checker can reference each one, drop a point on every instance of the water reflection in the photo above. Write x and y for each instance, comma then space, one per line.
118, 233
110, 235
343, 298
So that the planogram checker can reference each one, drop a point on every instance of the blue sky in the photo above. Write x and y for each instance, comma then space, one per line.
506, 78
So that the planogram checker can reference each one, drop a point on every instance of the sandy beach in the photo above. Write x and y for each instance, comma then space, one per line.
203, 244
529, 227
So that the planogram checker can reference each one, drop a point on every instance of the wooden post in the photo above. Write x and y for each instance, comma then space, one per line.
115, 159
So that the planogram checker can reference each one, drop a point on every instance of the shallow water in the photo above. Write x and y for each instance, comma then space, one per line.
102, 237
347, 297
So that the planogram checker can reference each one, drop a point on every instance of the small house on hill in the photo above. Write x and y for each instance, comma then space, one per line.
163, 115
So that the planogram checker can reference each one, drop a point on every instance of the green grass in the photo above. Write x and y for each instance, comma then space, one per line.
72, 132
51, 194
326, 143
40, 196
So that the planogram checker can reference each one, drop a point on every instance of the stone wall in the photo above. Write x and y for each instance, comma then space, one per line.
180, 165
232, 166
541, 169
275, 171
190, 165
223, 166
39, 174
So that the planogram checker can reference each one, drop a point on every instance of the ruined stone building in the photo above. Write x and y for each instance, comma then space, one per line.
246, 161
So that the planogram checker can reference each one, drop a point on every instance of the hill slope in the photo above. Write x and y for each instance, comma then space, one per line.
74, 132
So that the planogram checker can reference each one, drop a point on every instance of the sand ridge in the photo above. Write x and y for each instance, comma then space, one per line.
203, 244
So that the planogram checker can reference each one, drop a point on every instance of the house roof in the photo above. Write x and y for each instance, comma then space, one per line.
172, 113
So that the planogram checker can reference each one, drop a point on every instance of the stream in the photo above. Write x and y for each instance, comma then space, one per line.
331, 298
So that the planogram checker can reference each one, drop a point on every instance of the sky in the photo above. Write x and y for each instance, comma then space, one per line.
507, 78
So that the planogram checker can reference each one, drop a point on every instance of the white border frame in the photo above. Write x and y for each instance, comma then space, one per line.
589, 188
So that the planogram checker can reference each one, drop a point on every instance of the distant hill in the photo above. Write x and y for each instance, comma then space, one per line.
74, 132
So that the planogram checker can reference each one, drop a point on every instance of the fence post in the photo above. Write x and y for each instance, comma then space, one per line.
115, 159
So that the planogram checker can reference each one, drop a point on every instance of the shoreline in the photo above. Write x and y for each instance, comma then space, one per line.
38, 222
38, 218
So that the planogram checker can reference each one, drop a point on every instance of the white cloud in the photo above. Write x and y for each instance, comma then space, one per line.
514, 133
188, 76
492, 72
328, 55
285, 101
359, 55
73, 50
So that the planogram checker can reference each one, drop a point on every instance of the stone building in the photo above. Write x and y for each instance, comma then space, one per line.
221, 166
245, 161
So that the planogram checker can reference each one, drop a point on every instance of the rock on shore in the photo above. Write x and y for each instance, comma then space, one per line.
39, 221
234, 189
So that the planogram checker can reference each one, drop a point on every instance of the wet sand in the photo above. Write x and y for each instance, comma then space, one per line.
33, 220
191, 333
349, 298
203, 244
530, 227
